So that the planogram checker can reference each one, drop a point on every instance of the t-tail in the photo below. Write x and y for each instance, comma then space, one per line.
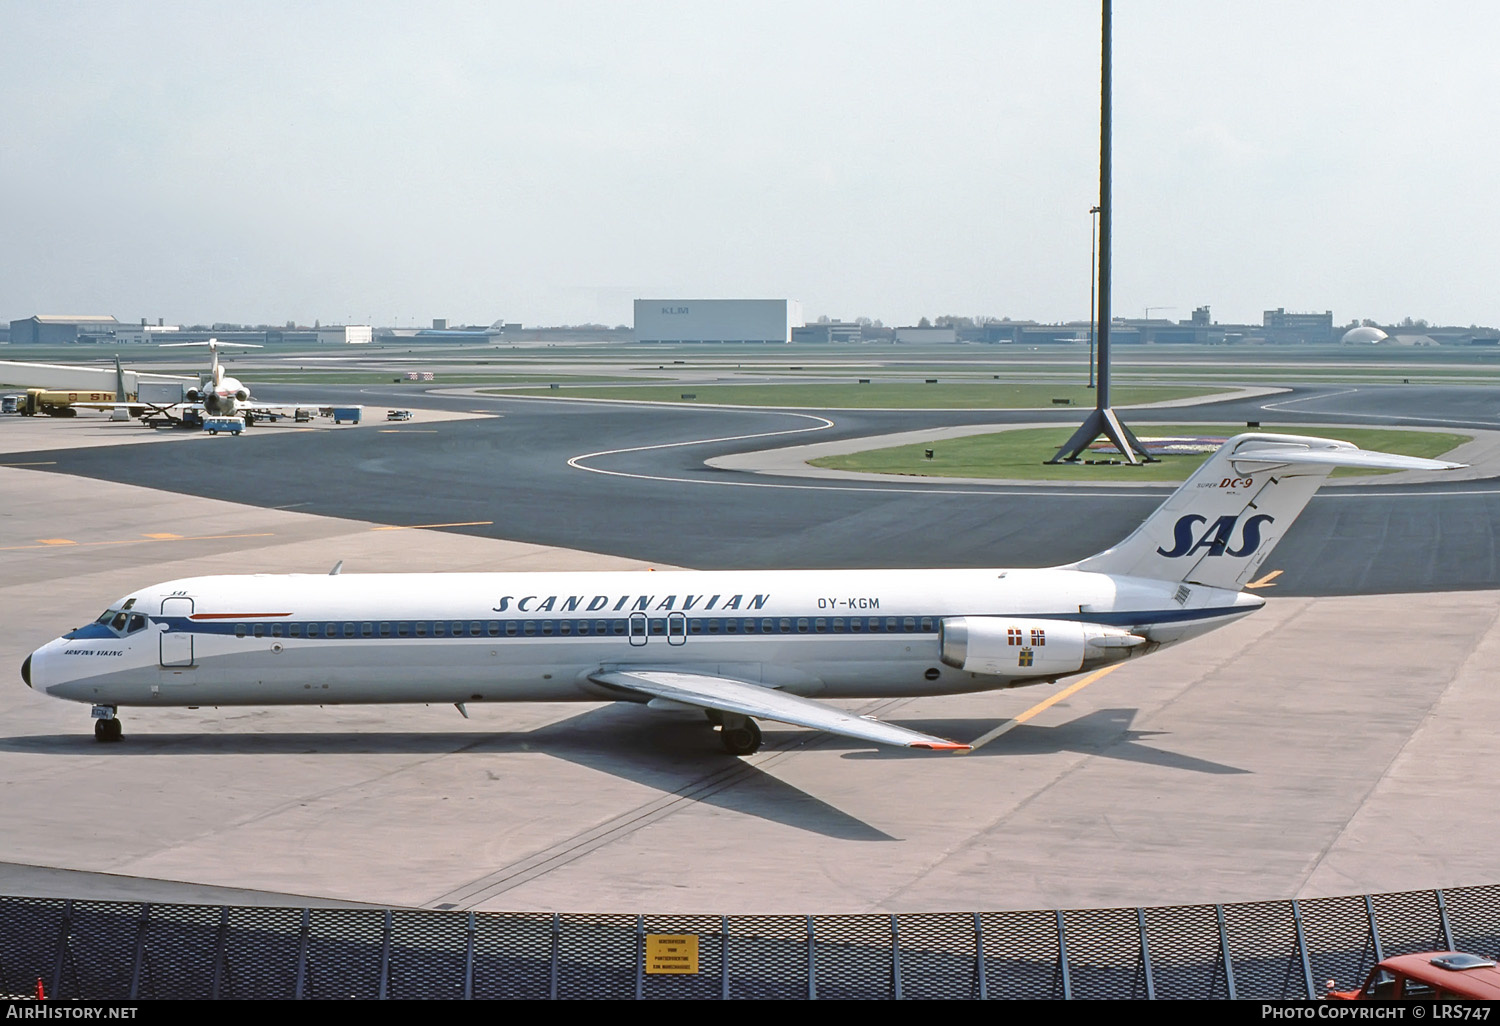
1219, 527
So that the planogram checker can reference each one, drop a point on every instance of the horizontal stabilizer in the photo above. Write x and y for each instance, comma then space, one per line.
726, 694
1341, 458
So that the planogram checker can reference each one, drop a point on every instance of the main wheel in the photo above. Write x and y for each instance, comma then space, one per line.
743, 739
107, 730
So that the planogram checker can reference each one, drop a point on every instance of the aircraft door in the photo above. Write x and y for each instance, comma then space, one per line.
638, 629
676, 629
176, 645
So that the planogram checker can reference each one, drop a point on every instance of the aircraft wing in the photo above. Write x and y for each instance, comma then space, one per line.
263, 407
737, 696
136, 407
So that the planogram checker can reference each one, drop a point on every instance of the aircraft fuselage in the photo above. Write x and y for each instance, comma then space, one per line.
359, 638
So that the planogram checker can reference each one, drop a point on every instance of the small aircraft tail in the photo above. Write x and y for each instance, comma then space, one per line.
1219, 527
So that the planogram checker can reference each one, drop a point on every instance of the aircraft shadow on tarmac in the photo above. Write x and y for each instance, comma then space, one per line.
677, 755
1105, 732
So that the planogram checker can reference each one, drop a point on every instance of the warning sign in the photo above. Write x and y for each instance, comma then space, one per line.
672, 953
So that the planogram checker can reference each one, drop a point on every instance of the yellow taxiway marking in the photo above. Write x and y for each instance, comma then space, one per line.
1041, 707
418, 527
164, 536
1267, 581
39, 463
50, 543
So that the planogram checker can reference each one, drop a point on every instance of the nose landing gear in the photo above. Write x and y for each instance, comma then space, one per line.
106, 725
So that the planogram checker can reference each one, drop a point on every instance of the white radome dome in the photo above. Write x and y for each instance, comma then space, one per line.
1364, 335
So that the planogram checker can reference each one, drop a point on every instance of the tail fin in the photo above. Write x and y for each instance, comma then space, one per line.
1219, 527
120, 395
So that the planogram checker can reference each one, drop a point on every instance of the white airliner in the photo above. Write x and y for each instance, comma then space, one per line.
217, 394
738, 645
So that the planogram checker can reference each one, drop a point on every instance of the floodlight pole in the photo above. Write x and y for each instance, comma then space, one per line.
1102, 420
1093, 282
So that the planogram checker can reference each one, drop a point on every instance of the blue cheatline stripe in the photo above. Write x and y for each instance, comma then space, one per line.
657, 626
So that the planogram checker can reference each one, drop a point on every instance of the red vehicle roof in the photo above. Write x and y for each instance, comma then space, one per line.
1481, 982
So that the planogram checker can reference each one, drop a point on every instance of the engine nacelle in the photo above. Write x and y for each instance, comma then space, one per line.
193, 395
1006, 646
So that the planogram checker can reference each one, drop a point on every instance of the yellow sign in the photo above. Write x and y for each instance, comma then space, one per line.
672, 953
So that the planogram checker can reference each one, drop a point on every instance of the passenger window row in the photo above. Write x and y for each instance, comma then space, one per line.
656, 626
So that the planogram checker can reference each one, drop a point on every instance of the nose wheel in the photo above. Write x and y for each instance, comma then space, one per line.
106, 725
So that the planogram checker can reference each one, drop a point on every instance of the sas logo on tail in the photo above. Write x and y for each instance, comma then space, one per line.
1217, 537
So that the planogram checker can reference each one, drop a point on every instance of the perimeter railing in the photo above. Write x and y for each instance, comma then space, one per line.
1286, 950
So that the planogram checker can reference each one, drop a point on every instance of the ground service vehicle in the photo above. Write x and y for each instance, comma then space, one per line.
1427, 976
213, 425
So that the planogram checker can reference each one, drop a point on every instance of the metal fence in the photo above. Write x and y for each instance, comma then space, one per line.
1259, 950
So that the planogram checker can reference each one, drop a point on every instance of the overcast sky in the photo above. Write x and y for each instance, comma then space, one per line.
548, 163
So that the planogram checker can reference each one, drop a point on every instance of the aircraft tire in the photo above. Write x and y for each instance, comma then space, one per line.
742, 740
107, 730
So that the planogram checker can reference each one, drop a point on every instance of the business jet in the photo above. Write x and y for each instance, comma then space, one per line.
740, 646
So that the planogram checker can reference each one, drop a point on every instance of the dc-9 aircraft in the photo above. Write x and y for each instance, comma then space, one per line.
738, 645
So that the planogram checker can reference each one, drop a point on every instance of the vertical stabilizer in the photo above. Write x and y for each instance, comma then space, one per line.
1219, 527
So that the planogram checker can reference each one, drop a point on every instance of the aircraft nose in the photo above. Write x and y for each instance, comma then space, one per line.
26, 671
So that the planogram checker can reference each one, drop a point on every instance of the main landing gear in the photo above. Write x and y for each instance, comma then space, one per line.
740, 734
106, 725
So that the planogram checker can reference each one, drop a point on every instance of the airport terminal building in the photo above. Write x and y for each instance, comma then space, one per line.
716, 320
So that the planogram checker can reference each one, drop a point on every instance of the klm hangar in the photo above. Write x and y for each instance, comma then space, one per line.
716, 320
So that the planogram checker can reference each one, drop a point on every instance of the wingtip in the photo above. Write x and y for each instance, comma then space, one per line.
941, 746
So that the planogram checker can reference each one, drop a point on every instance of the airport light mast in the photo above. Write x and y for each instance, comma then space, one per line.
1103, 420
1093, 283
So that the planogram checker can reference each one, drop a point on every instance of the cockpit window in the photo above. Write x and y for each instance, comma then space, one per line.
118, 623
106, 616
137, 621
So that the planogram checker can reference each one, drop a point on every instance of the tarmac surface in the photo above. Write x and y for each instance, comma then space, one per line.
1327, 745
